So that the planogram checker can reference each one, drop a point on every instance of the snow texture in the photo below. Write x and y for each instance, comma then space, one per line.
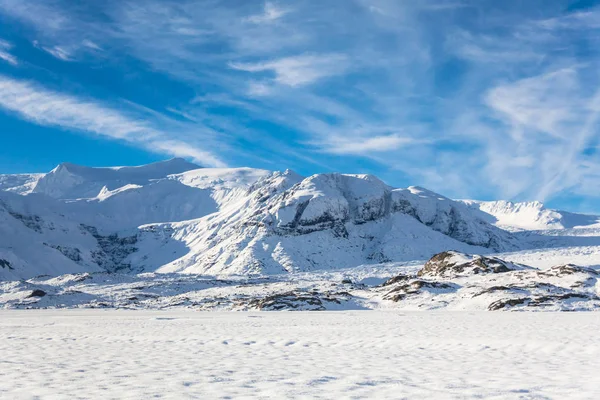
531, 216
96, 354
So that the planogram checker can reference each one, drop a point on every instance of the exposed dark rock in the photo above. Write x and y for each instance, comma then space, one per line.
496, 289
287, 301
452, 264
502, 304
37, 293
396, 279
415, 287
295, 300
548, 287
72, 253
33, 222
569, 269
113, 250
547, 300
540, 301
405, 207
5, 264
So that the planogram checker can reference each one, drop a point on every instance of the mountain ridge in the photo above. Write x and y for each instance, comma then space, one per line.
531, 215
175, 216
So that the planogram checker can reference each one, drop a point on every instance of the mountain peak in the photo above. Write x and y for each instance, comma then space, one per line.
531, 215
70, 180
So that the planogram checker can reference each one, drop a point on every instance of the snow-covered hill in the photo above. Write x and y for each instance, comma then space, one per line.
19, 183
531, 216
176, 217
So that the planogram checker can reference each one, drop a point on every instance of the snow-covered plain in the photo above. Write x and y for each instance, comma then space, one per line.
99, 354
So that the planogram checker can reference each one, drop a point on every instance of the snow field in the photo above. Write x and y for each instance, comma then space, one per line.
73, 354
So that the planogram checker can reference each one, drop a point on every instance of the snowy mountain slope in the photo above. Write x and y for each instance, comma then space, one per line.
531, 216
289, 224
176, 217
19, 183
70, 181
35, 240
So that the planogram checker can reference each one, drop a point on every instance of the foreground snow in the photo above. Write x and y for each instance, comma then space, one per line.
174, 355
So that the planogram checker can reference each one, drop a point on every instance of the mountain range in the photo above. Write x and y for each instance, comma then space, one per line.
175, 216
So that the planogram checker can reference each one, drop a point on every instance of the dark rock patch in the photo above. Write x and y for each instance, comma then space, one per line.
296, 300
396, 279
493, 289
37, 293
450, 264
547, 300
502, 304
415, 287
5, 264
569, 269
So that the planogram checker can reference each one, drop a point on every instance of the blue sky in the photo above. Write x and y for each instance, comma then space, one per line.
471, 98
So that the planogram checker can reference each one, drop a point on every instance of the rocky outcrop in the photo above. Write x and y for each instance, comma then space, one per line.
297, 300
451, 264
417, 287
453, 279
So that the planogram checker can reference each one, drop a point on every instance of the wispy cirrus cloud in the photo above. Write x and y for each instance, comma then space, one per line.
272, 12
56, 51
551, 120
299, 70
4, 53
50, 108
368, 145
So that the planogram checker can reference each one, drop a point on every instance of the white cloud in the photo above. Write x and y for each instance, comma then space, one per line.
444, 6
542, 104
551, 119
4, 53
56, 51
9, 58
40, 14
576, 20
299, 70
270, 13
488, 49
183, 149
257, 89
90, 45
59, 52
46, 107
362, 146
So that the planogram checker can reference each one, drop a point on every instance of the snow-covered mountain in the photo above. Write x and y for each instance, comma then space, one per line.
531, 216
176, 217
